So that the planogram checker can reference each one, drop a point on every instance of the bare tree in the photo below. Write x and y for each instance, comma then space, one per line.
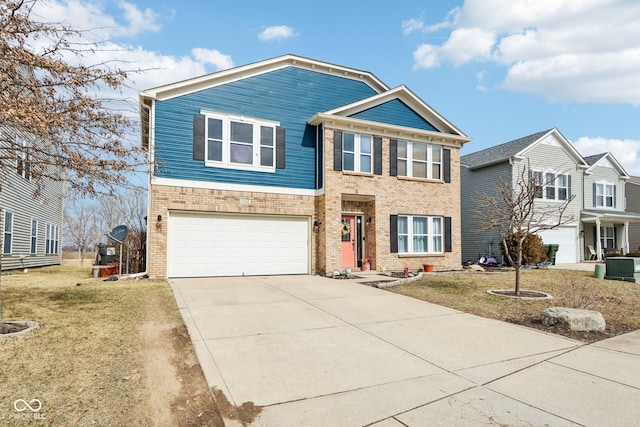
516, 207
61, 117
74, 130
80, 226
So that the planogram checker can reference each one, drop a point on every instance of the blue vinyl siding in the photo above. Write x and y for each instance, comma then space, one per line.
290, 96
395, 112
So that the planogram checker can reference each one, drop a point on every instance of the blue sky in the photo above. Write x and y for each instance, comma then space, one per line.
497, 69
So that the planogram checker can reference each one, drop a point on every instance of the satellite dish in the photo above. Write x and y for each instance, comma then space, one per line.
118, 234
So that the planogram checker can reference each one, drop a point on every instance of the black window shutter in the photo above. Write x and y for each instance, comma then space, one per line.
377, 155
280, 148
448, 247
614, 197
393, 232
595, 199
446, 170
393, 157
198, 137
569, 187
337, 150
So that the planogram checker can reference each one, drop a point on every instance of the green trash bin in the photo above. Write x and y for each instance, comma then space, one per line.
553, 250
598, 272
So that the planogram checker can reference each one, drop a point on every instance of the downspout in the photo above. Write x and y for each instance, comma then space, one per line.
147, 108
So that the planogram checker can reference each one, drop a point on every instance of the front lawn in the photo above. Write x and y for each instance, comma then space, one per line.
106, 353
619, 302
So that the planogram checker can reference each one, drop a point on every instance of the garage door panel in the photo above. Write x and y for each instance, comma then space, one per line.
229, 245
567, 239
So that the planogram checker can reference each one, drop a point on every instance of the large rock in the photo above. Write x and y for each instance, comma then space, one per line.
574, 319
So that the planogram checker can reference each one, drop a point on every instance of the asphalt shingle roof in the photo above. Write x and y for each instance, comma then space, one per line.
592, 160
500, 152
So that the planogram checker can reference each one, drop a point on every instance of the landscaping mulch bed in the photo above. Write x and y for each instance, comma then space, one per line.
10, 328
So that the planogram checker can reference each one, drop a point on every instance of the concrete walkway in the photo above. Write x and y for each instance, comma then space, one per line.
313, 351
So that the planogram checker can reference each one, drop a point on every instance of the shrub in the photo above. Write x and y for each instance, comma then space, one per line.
634, 254
533, 250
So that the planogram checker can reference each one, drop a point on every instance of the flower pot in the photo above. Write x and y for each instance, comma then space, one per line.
366, 266
427, 268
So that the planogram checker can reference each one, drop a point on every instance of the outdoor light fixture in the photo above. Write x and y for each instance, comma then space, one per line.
159, 218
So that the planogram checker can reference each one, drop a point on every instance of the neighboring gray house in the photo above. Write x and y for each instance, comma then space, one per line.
546, 152
597, 214
632, 192
606, 218
31, 226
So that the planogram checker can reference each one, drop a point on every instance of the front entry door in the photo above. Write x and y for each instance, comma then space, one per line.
348, 234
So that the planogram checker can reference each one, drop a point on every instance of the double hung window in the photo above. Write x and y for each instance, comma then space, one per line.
551, 185
357, 152
23, 163
605, 195
240, 142
52, 242
34, 236
7, 239
419, 160
420, 234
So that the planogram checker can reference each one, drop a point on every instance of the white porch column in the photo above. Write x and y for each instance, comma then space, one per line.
626, 238
598, 245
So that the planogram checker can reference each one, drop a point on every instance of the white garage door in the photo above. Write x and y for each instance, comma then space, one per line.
567, 238
234, 245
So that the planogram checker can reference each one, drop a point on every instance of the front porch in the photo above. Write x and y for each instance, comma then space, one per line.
606, 232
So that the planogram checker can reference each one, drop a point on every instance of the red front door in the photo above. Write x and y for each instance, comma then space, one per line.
348, 234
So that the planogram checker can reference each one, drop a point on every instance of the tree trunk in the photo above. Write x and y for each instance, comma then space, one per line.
518, 265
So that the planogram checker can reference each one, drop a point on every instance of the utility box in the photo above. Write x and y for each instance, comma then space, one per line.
623, 268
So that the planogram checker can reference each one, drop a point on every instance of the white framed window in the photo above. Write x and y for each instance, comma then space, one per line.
34, 236
52, 242
419, 160
7, 236
239, 142
420, 234
551, 185
605, 195
608, 238
357, 152
23, 163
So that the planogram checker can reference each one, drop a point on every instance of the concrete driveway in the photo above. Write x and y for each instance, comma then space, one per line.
315, 351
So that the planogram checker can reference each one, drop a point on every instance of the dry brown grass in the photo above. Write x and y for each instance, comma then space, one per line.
467, 291
86, 363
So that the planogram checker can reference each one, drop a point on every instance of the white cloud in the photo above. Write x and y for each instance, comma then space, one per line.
88, 15
417, 24
213, 57
626, 151
565, 50
278, 33
138, 21
106, 29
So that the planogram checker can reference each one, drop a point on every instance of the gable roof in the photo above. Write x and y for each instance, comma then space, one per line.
599, 159
345, 115
516, 148
238, 73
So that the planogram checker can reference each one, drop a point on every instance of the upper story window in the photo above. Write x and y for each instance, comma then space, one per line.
23, 163
240, 142
419, 160
357, 152
552, 186
604, 195
7, 239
